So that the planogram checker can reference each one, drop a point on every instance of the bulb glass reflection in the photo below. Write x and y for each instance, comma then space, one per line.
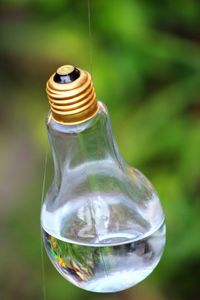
102, 221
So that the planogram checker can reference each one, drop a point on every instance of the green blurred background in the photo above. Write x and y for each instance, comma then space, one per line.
146, 68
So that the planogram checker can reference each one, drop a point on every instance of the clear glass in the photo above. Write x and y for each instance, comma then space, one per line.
102, 220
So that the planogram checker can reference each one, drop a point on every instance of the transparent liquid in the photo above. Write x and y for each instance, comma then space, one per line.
109, 268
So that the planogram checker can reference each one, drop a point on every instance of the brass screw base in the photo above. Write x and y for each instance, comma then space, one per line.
73, 99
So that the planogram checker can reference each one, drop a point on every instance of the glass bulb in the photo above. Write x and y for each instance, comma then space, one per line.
102, 221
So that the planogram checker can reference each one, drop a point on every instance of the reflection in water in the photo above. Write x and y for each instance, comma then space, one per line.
107, 268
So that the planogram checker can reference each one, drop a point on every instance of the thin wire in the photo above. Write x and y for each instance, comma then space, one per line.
46, 156
91, 71
41, 245
90, 37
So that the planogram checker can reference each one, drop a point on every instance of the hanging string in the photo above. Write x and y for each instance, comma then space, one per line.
90, 37
46, 156
41, 240
91, 71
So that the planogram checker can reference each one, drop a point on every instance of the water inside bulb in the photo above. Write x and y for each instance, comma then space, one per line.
109, 268
103, 224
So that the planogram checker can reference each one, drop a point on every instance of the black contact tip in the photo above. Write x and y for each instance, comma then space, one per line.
66, 74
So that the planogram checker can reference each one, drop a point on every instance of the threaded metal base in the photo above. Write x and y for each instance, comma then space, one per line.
72, 101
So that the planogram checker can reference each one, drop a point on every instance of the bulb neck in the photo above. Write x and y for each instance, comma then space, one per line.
81, 148
71, 95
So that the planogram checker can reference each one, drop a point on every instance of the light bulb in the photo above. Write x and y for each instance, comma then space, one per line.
102, 221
